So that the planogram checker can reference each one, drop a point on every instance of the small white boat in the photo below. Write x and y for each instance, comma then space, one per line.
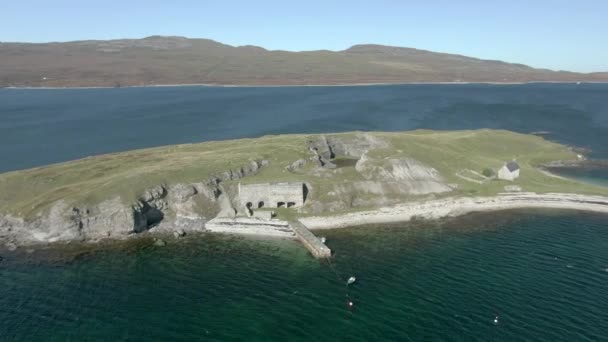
323, 239
351, 280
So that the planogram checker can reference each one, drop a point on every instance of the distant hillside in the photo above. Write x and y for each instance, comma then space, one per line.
177, 60
600, 76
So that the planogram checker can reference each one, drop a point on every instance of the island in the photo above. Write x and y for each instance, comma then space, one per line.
277, 185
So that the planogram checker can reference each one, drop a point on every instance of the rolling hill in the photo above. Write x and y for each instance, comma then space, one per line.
177, 60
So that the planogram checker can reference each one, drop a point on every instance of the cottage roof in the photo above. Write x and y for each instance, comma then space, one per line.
512, 166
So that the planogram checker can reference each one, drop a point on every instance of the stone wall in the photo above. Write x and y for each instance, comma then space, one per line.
272, 195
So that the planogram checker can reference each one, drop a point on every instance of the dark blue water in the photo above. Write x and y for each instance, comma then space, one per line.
543, 274
39, 127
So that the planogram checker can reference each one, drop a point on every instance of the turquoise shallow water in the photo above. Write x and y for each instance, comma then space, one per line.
543, 273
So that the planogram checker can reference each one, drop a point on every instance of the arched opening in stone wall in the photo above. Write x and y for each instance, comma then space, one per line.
248, 206
290, 204
260, 204
280, 204
304, 192
148, 217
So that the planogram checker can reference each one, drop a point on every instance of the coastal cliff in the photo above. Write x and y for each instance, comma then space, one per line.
178, 189
162, 208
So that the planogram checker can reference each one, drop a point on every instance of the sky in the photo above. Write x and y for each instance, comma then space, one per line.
554, 34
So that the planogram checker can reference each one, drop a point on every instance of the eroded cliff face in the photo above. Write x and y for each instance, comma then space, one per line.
110, 218
383, 180
183, 207
340, 173
327, 148
412, 176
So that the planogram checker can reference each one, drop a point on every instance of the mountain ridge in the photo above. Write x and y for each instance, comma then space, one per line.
166, 60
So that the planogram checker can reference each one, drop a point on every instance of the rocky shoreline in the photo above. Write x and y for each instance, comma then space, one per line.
432, 209
451, 207
162, 210
341, 180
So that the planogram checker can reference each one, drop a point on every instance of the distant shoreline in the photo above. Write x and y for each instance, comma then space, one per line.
212, 85
164, 61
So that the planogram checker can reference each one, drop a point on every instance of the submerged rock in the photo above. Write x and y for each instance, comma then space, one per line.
159, 243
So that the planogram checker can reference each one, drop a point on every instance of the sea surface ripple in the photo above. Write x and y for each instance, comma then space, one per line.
541, 273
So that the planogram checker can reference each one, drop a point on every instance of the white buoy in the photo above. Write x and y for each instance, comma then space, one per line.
351, 280
496, 320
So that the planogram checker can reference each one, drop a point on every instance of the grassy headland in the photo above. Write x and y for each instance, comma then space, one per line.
452, 153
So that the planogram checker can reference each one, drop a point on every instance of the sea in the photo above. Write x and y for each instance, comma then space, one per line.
526, 275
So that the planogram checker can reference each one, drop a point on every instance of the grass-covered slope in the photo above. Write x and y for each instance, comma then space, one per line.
178, 60
129, 174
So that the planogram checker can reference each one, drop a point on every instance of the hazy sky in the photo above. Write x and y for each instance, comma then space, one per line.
555, 34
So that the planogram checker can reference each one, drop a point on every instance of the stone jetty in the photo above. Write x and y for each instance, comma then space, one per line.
317, 248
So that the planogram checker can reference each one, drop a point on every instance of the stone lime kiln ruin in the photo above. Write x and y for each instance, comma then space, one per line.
273, 195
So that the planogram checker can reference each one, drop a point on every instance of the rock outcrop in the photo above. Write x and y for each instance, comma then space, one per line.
110, 218
183, 204
327, 148
162, 208
410, 175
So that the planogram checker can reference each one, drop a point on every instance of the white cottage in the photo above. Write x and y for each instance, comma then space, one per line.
510, 171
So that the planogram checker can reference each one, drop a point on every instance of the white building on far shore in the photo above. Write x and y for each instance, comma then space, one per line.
510, 171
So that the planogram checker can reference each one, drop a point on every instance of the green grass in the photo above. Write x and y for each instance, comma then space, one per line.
127, 175
449, 152
137, 62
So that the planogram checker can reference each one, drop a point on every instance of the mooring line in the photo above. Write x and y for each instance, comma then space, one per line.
333, 268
